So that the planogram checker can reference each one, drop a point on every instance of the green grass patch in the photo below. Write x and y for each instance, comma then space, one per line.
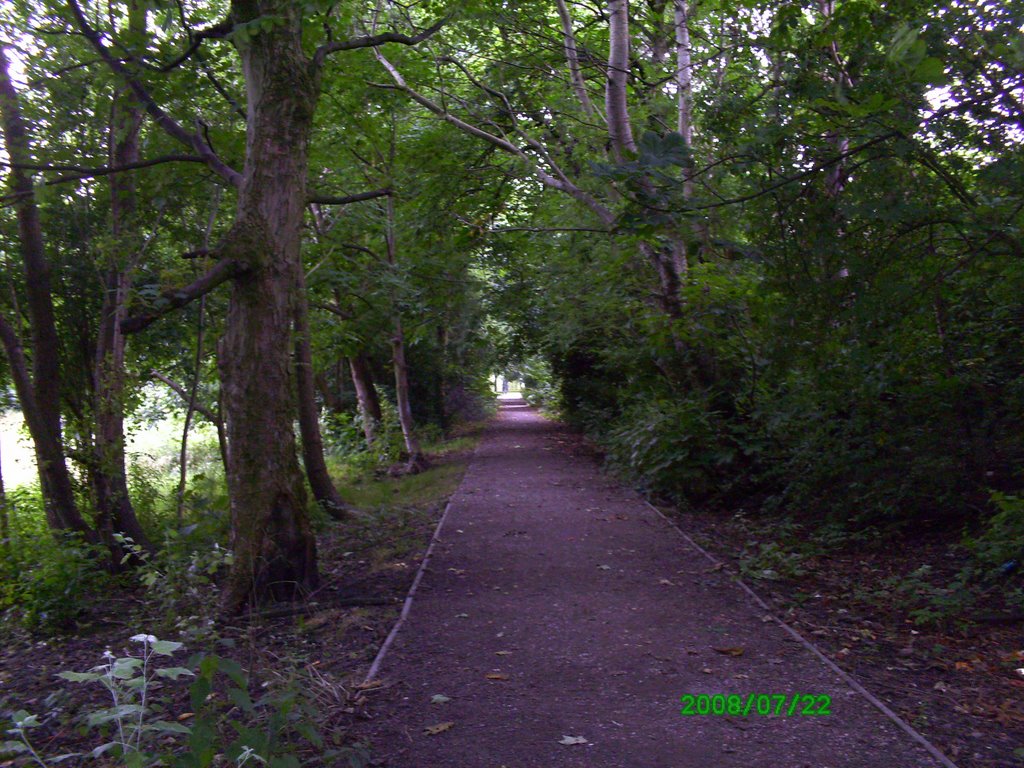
429, 487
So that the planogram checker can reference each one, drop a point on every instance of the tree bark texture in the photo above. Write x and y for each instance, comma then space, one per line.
616, 101
274, 548
573, 59
38, 392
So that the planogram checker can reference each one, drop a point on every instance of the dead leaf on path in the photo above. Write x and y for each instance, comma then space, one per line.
708, 671
369, 684
604, 567
497, 676
433, 730
572, 740
503, 653
736, 651
666, 582
439, 698
461, 615
962, 665
185, 716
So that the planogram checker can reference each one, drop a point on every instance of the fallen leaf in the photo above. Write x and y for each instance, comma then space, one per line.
736, 651
439, 698
497, 676
461, 615
708, 671
503, 653
369, 684
185, 716
666, 582
433, 730
572, 740
604, 567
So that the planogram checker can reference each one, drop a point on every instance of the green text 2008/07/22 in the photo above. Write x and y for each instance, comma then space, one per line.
788, 705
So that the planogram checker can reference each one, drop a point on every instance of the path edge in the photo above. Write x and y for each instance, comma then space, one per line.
808, 645
382, 652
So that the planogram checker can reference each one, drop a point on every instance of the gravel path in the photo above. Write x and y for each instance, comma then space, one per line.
557, 604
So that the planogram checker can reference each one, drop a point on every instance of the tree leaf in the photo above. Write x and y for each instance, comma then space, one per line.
174, 673
163, 726
568, 740
166, 647
433, 730
733, 651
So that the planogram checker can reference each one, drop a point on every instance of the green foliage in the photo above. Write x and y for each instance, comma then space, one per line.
45, 579
224, 718
180, 577
1000, 543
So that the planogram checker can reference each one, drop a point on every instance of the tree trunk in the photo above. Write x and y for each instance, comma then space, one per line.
416, 462
684, 121
274, 548
616, 103
366, 395
320, 482
573, 60
39, 393
5, 522
115, 513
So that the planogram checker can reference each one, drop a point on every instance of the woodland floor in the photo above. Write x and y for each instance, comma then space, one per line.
557, 604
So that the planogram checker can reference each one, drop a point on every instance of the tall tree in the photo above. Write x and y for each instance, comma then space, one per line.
273, 544
38, 390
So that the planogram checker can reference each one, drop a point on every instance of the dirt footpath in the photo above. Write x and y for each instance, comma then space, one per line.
561, 621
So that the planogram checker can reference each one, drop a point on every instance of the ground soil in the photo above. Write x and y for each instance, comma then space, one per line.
561, 620
954, 680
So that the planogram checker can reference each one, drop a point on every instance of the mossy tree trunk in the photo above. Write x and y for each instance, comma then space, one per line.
274, 548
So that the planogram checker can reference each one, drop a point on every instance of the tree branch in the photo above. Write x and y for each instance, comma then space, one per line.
557, 181
221, 272
205, 412
345, 200
82, 172
164, 120
372, 41
219, 30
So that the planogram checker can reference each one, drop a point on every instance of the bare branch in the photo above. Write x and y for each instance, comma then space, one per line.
572, 59
180, 390
173, 299
556, 180
82, 172
164, 120
372, 41
219, 30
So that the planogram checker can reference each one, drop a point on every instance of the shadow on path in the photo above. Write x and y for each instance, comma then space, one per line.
558, 604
